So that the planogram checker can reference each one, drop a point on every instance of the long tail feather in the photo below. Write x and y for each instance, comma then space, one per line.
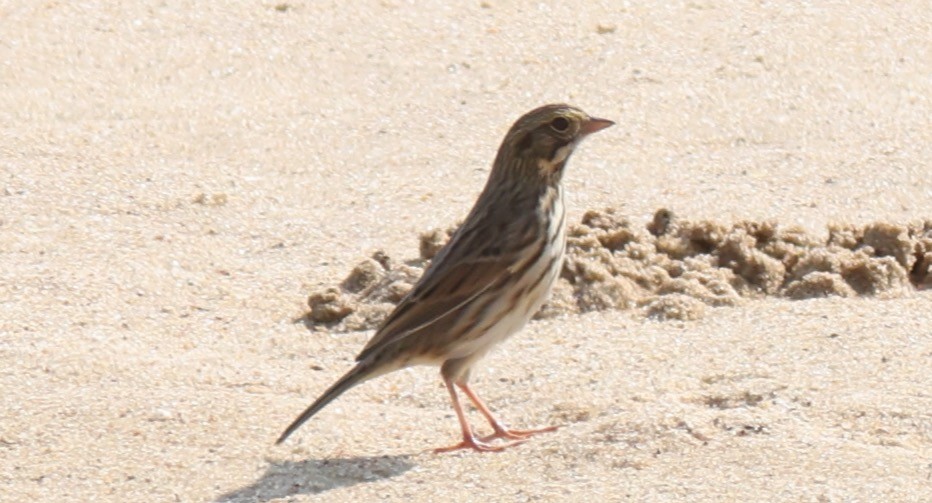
363, 371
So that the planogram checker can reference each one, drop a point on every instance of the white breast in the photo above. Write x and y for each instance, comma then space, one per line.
513, 314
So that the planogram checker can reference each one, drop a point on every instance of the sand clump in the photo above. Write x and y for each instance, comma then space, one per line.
366, 296
671, 268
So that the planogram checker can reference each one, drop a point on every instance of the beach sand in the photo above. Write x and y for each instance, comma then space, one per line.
178, 178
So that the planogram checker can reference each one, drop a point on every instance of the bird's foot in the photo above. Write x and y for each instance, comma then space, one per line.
509, 434
477, 445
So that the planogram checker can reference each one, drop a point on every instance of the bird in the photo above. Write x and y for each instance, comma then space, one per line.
490, 278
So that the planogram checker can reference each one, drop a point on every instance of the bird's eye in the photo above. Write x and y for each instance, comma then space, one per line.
560, 124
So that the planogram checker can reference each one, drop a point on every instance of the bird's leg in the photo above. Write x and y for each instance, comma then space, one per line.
501, 431
469, 439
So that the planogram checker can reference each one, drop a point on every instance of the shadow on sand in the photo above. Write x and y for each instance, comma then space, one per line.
314, 476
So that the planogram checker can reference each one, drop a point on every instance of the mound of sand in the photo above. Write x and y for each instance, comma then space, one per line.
672, 268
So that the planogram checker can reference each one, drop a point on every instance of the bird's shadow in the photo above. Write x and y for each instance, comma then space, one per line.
314, 476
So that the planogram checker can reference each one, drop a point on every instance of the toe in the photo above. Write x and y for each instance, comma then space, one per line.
510, 434
477, 445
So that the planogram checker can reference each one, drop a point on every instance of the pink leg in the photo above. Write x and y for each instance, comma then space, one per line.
501, 431
469, 439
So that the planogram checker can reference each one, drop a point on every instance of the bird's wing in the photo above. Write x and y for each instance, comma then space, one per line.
458, 276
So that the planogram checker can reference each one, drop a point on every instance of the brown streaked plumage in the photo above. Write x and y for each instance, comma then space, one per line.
492, 276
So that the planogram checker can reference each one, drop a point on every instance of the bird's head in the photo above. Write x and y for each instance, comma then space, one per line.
540, 142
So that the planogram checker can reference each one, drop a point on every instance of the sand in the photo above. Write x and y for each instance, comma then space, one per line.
672, 267
177, 178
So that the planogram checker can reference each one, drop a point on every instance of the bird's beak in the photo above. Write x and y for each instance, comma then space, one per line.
594, 124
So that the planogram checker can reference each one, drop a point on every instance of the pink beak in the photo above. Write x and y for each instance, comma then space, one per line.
594, 124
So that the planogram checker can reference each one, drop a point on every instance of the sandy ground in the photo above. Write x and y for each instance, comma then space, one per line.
176, 177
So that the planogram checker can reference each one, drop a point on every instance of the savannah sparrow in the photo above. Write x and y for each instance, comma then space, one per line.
492, 276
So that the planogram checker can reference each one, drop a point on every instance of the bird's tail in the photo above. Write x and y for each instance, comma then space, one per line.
363, 371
